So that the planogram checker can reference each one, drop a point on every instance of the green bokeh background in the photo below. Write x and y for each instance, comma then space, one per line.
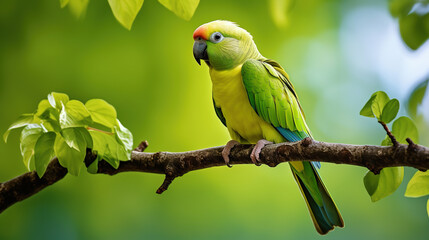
163, 96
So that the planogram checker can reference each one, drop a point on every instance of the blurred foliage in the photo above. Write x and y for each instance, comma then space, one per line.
280, 10
416, 97
182, 8
125, 11
66, 128
162, 95
413, 18
416, 108
77, 7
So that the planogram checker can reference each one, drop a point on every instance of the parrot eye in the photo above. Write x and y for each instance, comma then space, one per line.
216, 37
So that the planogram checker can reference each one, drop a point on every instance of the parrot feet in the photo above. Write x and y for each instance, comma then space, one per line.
227, 149
257, 150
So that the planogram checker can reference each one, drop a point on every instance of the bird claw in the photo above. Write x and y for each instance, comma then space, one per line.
257, 150
227, 149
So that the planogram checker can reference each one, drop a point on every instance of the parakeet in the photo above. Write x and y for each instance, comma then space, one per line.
255, 100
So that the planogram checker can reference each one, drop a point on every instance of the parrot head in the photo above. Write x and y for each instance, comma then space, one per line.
223, 45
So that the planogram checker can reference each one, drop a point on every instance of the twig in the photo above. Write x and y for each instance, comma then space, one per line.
142, 146
411, 145
167, 181
389, 133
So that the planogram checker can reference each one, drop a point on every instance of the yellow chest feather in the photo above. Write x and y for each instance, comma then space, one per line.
244, 125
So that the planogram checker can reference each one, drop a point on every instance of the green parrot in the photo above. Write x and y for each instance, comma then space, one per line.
255, 100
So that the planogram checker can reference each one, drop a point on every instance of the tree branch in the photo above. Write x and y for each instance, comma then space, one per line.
174, 165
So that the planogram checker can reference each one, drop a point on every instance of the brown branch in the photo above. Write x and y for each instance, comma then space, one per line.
28, 184
174, 165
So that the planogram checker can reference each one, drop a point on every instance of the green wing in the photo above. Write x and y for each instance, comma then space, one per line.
219, 113
273, 96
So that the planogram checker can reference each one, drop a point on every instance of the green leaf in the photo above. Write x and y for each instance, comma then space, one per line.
404, 128
44, 152
108, 147
88, 139
93, 167
400, 8
385, 184
51, 125
413, 29
73, 135
102, 112
70, 158
78, 7
279, 10
418, 185
366, 111
416, 98
44, 110
22, 121
378, 103
182, 8
125, 11
57, 100
29, 136
125, 137
64, 3
48, 116
390, 111
371, 182
74, 114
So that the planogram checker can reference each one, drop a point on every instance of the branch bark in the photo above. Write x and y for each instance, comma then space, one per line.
174, 165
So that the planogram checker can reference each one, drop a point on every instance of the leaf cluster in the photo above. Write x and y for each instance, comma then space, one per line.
382, 185
66, 128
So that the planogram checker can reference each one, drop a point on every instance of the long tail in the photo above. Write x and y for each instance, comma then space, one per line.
323, 211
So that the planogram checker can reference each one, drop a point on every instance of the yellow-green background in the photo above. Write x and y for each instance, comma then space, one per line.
331, 49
